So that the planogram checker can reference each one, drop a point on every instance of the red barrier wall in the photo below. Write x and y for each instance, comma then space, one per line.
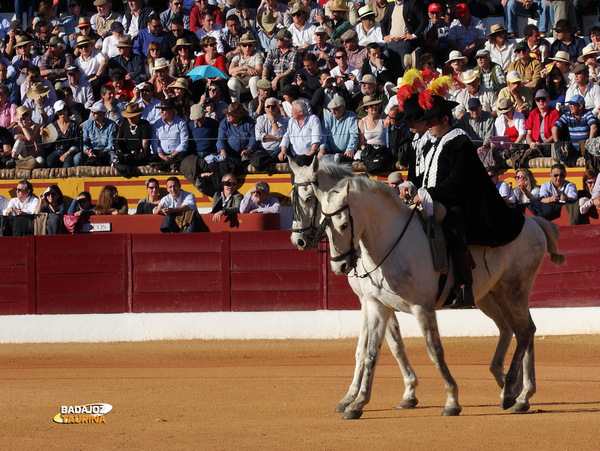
241, 271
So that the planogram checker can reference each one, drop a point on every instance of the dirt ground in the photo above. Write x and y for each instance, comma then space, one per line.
234, 395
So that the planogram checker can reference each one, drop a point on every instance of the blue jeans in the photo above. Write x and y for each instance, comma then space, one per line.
546, 17
25, 6
513, 10
53, 160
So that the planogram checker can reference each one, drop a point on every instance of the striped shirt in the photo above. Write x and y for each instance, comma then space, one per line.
578, 128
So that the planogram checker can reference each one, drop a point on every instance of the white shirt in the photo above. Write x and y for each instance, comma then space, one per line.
518, 119
591, 96
29, 206
303, 37
109, 46
3, 205
90, 67
503, 188
351, 86
215, 33
184, 198
366, 37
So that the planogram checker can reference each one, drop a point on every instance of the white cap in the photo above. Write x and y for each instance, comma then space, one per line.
98, 107
59, 105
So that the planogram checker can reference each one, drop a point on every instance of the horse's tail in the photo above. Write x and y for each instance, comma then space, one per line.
551, 231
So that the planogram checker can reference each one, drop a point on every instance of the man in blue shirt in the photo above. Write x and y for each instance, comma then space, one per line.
154, 32
203, 134
340, 132
236, 133
303, 136
98, 138
170, 136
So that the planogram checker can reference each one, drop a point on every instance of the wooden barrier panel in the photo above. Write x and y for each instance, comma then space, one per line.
17, 281
82, 274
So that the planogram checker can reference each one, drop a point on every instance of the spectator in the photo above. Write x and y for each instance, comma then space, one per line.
528, 68
273, 9
509, 122
403, 39
521, 96
24, 59
558, 189
501, 185
66, 146
590, 59
80, 87
85, 30
3, 205
211, 57
502, 50
326, 93
466, 33
181, 95
246, 15
8, 109
479, 125
379, 6
98, 138
556, 86
585, 195
110, 203
281, 62
177, 31
6, 144
109, 44
131, 64
455, 63
290, 93
153, 33
490, 74
302, 31
92, 63
230, 37
338, 23
270, 128
586, 88
55, 61
345, 74
102, 21
227, 201
113, 106
215, 99
170, 136
377, 65
323, 50
209, 27
75, 110
147, 205
257, 200
132, 146
526, 189
340, 131
14, 31
23, 206
204, 133
136, 18
13, 89
256, 106
144, 97
27, 139
154, 53
303, 136
394, 180
594, 35
514, 8
580, 123
82, 205
565, 41
307, 78
436, 33
33, 78
357, 54
236, 133
351, 15
245, 69
368, 30
538, 46
52, 203
175, 9
123, 88
184, 60
540, 122
179, 209
198, 14
486, 96
161, 79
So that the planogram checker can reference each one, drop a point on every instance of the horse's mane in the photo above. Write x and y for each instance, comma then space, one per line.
364, 184
336, 171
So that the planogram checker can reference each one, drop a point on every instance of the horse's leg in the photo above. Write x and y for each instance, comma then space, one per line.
524, 330
528, 377
359, 356
377, 319
428, 323
394, 339
488, 306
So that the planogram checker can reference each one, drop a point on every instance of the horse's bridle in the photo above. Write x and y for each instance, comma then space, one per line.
353, 251
314, 236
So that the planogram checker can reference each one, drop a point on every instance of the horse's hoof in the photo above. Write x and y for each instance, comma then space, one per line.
452, 411
507, 402
520, 407
408, 403
352, 415
340, 408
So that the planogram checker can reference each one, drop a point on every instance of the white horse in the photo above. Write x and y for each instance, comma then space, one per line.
306, 218
370, 225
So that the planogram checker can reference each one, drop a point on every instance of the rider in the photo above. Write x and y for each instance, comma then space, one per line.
455, 177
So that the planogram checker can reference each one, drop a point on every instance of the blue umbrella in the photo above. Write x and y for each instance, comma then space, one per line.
206, 72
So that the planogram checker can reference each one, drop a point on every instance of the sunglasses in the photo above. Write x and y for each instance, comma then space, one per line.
212, 44
146, 90
247, 45
153, 187
212, 89
340, 56
270, 106
541, 99
51, 194
519, 177
393, 118
228, 183
559, 176
21, 190
590, 182
154, 50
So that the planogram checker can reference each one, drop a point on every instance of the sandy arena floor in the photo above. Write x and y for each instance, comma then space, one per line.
234, 395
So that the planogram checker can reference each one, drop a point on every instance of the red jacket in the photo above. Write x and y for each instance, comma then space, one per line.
196, 17
533, 123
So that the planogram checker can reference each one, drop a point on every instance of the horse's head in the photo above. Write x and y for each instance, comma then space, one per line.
304, 205
340, 227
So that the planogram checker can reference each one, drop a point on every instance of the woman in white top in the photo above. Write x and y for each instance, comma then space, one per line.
372, 130
509, 122
502, 50
245, 69
526, 189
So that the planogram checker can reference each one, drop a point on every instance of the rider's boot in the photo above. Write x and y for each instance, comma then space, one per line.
464, 274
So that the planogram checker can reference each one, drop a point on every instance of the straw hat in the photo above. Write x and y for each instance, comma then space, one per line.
365, 11
49, 134
267, 21
505, 104
468, 76
23, 110
125, 41
587, 52
456, 55
22, 41
133, 109
496, 28
39, 89
180, 43
82, 41
84, 22
368, 101
338, 5
181, 83
283, 35
236, 109
160, 63
299, 7
561, 56
248, 38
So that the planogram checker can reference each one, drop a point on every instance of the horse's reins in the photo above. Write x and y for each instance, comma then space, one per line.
296, 201
352, 252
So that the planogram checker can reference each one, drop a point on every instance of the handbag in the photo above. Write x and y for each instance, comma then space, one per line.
72, 223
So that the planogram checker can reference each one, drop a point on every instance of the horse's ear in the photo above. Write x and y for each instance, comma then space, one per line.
321, 195
292, 165
315, 164
344, 193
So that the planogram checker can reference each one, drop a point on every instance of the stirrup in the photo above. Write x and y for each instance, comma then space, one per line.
464, 300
